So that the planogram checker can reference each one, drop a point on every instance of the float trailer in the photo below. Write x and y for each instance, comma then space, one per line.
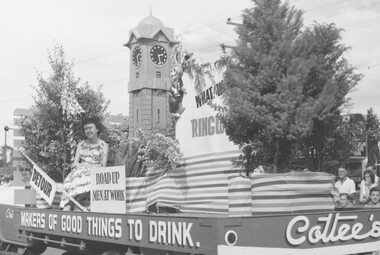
31, 231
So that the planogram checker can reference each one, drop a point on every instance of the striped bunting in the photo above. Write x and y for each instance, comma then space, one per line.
292, 192
211, 184
42, 204
135, 194
199, 185
239, 196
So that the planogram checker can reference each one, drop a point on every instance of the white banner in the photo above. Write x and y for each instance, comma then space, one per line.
43, 184
108, 190
198, 125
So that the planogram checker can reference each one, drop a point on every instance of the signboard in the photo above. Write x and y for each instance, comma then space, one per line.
43, 184
343, 232
340, 232
198, 125
167, 233
108, 190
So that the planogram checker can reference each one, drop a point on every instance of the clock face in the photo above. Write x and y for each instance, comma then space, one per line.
136, 56
158, 55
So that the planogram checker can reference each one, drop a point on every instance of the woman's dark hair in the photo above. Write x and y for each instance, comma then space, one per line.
371, 174
92, 120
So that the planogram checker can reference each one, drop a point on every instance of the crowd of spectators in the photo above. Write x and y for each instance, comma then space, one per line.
368, 194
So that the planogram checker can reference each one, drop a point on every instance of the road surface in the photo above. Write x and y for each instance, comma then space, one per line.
53, 251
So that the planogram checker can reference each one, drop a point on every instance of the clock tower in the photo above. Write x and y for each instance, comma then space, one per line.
149, 76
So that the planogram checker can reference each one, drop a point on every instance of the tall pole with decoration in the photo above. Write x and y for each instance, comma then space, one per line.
70, 109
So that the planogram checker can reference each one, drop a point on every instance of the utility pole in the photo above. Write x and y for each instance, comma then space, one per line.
229, 22
6, 129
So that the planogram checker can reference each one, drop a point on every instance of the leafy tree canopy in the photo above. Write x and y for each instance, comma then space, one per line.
46, 131
283, 82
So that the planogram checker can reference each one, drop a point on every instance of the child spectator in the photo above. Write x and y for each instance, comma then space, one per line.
344, 201
374, 196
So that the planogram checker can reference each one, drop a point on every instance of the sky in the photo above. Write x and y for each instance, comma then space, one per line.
92, 33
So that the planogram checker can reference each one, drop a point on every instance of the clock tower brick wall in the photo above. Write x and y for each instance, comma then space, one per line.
149, 83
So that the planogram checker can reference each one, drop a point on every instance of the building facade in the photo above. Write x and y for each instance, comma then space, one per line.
151, 49
18, 137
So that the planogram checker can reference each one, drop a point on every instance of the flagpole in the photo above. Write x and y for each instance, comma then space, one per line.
70, 109
64, 151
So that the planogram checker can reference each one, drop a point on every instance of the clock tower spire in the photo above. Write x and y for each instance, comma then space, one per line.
149, 75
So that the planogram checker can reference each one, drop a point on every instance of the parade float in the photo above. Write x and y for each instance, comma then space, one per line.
206, 205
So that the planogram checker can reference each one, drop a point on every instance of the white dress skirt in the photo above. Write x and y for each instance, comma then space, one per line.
78, 181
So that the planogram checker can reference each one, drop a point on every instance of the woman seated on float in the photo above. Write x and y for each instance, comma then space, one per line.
91, 152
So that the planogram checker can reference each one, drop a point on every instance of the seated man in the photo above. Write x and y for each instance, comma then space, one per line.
345, 184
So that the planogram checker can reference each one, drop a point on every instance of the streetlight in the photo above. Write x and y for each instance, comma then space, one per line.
6, 129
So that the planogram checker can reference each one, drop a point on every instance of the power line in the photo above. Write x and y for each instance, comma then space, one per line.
207, 37
324, 6
360, 25
98, 57
352, 10
115, 81
213, 24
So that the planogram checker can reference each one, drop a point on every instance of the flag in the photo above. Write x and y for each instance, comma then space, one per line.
70, 105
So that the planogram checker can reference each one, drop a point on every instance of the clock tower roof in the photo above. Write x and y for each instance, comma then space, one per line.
152, 21
150, 28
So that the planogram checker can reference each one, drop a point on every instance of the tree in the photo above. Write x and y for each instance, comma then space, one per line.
373, 134
283, 83
344, 138
46, 132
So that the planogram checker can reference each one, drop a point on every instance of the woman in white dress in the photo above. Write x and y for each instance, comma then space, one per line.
91, 152
366, 184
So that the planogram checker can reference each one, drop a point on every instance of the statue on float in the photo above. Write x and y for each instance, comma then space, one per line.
180, 62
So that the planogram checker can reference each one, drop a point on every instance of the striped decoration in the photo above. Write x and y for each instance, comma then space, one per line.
42, 204
239, 196
200, 185
72, 142
211, 184
292, 192
70, 108
135, 194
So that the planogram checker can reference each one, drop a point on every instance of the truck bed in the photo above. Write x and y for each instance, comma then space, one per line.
320, 232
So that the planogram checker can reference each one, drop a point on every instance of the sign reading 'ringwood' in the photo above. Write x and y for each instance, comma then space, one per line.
199, 125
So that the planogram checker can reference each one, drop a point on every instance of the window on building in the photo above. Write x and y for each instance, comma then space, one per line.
137, 75
137, 116
158, 74
158, 115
